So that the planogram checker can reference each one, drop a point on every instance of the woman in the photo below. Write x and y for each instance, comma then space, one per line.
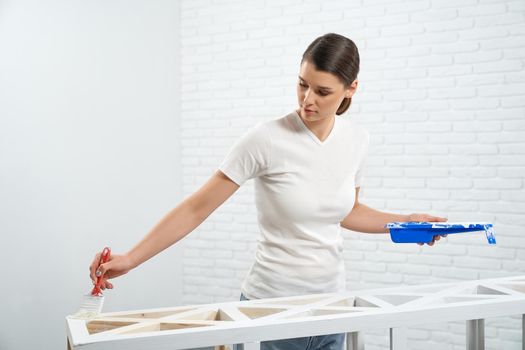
308, 168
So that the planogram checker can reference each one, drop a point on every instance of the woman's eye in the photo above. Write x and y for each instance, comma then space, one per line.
321, 93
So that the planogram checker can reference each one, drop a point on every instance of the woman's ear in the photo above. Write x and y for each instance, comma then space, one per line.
351, 89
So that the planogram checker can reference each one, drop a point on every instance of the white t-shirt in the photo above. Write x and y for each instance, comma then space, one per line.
304, 188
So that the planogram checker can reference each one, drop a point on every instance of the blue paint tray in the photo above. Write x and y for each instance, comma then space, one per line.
423, 232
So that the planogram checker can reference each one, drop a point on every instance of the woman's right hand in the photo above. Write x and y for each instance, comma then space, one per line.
117, 265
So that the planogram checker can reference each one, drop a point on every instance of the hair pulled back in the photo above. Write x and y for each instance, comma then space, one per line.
336, 54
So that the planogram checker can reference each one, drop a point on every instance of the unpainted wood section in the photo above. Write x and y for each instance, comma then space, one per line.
518, 287
159, 327
99, 326
210, 315
206, 317
257, 312
206, 311
153, 315
311, 309
222, 347
122, 320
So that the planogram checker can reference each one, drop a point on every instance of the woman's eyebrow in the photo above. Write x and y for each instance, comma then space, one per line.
320, 87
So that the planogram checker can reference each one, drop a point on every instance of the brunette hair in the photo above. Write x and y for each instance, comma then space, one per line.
336, 54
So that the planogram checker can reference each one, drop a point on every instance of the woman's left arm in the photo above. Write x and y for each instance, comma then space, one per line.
365, 219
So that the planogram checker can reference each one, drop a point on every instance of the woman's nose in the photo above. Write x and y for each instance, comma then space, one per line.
308, 97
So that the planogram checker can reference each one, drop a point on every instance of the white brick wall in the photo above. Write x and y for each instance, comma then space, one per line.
442, 91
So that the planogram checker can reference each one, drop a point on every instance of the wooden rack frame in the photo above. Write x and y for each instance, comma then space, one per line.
251, 322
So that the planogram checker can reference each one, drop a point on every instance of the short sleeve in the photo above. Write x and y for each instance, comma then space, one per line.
358, 180
249, 157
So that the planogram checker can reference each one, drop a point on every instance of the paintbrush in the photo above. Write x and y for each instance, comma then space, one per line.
92, 302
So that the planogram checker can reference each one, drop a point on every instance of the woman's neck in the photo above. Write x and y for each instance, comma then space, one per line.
321, 127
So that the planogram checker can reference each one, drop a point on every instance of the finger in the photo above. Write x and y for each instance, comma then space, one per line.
431, 243
419, 243
102, 269
93, 267
105, 283
437, 238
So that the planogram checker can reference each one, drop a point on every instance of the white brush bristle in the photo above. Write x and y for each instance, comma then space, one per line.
91, 306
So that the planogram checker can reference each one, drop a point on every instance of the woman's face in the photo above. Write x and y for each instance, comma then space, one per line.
320, 93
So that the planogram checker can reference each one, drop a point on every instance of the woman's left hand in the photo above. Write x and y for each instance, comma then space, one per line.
427, 218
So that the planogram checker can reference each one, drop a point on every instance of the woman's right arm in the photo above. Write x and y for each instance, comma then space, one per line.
179, 222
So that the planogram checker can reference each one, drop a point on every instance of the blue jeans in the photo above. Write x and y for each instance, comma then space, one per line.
321, 342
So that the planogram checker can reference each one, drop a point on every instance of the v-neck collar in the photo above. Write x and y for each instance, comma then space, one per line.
303, 126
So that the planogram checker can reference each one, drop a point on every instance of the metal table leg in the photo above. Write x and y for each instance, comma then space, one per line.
355, 341
398, 339
523, 332
476, 334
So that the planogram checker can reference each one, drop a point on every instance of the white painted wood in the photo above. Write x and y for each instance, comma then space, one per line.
476, 334
251, 322
398, 339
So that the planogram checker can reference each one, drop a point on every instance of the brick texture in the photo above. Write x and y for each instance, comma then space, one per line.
442, 92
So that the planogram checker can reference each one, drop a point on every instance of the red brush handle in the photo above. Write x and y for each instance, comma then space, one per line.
104, 258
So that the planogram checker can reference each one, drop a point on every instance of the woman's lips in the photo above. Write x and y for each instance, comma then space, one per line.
308, 111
